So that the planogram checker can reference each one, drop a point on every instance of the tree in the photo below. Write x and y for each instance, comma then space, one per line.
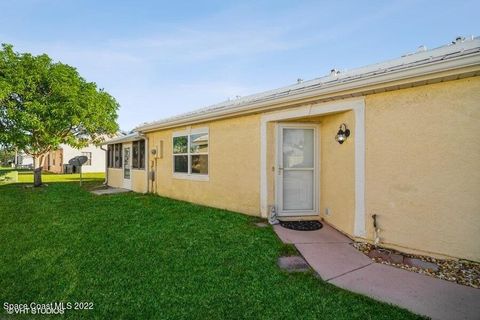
44, 104
7, 155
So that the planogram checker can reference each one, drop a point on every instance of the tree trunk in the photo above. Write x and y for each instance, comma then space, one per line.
37, 171
37, 177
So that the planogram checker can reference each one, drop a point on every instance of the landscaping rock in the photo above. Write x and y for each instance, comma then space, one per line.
396, 258
414, 262
293, 264
377, 254
460, 271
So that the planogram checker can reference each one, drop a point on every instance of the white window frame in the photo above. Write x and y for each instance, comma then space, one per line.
189, 175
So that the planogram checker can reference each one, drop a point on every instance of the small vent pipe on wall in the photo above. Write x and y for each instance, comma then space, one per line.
376, 231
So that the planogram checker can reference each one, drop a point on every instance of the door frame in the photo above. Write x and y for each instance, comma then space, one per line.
357, 105
279, 177
127, 183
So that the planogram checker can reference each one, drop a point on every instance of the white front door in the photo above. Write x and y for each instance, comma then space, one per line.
296, 174
127, 166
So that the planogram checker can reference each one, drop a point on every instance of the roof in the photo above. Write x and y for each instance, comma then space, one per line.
134, 136
466, 51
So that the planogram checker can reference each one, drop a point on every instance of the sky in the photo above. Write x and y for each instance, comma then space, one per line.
163, 58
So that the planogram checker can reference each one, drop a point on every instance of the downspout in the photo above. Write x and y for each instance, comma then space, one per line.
147, 155
105, 183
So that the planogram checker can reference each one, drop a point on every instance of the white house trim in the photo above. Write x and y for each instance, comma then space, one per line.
357, 105
126, 138
186, 176
190, 130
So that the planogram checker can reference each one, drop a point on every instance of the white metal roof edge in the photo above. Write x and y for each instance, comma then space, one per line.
449, 57
126, 138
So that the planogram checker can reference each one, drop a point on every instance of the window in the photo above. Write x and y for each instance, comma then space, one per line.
135, 154
180, 151
110, 156
142, 152
138, 154
114, 155
190, 153
89, 158
118, 155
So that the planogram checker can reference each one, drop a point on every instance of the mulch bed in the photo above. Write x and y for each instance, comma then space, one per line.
460, 271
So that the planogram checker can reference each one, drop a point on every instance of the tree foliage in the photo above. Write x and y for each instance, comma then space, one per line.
6, 155
44, 104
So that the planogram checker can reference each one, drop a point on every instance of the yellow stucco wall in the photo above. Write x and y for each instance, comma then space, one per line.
115, 178
271, 169
337, 172
139, 183
234, 171
423, 167
138, 179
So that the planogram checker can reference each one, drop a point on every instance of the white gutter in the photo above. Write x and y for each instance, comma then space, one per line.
427, 71
127, 138
106, 165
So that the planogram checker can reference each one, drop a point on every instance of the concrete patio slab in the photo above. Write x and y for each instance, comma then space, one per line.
293, 264
331, 260
109, 191
325, 235
329, 253
262, 224
421, 294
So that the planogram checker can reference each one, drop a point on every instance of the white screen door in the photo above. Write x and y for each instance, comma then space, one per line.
296, 170
127, 164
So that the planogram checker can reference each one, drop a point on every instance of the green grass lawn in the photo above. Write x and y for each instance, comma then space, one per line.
144, 256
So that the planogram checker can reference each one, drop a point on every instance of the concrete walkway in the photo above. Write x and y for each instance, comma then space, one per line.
109, 190
330, 254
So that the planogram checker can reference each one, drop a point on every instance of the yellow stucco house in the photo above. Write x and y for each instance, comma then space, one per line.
398, 139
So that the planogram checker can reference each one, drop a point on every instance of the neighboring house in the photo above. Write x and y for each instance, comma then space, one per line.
412, 155
57, 161
23, 160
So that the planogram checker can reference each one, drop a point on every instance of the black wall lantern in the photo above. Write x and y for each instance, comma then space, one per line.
342, 134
